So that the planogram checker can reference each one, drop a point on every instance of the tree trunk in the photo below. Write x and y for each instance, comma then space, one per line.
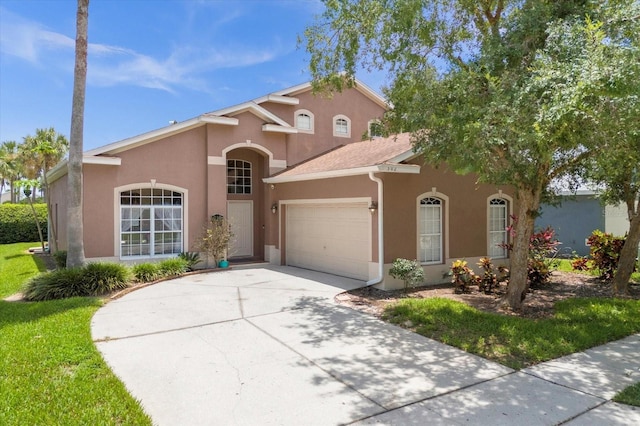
628, 255
528, 204
35, 217
75, 228
53, 241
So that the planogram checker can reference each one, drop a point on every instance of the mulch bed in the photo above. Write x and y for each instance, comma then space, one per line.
539, 302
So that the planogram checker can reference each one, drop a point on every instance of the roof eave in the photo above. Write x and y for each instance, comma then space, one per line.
61, 168
379, 168
275, 128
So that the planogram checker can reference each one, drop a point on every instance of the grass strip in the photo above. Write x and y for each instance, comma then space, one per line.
564, 265
17, 266
630, 395
50, 370
578, 324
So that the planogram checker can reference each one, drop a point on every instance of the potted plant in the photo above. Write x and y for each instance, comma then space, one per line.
215, 240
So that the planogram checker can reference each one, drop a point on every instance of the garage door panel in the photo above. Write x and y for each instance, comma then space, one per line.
332, 238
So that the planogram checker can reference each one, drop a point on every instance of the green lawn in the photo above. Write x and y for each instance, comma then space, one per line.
50, 371
16, 266
630, 395
578, 324
565, 265
519, 342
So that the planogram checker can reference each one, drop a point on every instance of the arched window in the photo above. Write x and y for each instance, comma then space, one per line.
304, 121
375, 129
342, 126
238, 177
430, 230
498, 214
151, 222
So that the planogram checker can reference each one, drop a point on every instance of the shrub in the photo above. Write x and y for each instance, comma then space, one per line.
216, 237
543, 247
61, 259
409, 271
462, 276
490, 279
103, 278
58, 284
94, 279
17, 224
145, 272
605, 253
171, 267
191, 257
580, 264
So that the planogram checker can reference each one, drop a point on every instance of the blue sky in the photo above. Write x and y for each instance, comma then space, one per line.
150, 61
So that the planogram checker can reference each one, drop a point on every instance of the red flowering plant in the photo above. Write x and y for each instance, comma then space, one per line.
543, 247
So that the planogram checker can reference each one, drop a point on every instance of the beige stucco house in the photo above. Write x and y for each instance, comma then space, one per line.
298, 183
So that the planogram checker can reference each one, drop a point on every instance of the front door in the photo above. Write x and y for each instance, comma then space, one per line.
240, 215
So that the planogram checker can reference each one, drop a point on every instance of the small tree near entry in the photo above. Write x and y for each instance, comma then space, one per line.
409, 271
215, 238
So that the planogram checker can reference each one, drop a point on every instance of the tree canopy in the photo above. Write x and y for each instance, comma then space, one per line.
500, 88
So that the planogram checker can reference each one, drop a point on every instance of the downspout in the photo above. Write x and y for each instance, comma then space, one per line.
380, 276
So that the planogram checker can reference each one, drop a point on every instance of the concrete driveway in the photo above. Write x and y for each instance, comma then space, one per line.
261, 346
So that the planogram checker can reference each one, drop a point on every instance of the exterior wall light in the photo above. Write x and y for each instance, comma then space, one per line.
274, 208
373, 207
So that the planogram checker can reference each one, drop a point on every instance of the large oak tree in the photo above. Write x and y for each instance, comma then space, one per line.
469, 79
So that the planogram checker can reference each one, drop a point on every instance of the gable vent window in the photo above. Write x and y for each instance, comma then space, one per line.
375, 129
304, 121
238, 177
341, 126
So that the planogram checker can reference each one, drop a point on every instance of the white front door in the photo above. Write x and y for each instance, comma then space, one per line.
240, 215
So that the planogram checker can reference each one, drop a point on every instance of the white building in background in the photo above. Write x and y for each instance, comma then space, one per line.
5, 197
616, 220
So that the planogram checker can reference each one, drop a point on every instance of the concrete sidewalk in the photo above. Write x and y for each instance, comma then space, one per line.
261, 346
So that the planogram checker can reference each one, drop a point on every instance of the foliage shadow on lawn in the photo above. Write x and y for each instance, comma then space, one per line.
578, 324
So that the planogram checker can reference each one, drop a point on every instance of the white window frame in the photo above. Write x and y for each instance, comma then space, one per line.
246, 167
503, 204
436, 204
335, 126
118, 213
311, 121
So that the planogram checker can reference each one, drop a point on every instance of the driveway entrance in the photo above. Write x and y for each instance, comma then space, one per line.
269, 346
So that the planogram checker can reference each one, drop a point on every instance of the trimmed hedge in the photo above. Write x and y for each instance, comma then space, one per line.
17, 225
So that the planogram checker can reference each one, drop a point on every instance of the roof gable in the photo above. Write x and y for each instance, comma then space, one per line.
225, 116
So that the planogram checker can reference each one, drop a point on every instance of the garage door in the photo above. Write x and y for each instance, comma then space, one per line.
333, 238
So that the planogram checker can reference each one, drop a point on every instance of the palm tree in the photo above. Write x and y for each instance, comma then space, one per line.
41, 153
9, 166
75, 229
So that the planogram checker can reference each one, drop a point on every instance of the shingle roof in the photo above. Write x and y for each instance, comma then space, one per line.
355, 155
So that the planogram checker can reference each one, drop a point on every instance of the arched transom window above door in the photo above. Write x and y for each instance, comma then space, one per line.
238, 177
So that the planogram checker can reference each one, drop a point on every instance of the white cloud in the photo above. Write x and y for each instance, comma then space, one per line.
26, 39
113, 65
183, 68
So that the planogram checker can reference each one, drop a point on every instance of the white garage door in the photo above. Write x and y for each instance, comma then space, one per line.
334, 238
